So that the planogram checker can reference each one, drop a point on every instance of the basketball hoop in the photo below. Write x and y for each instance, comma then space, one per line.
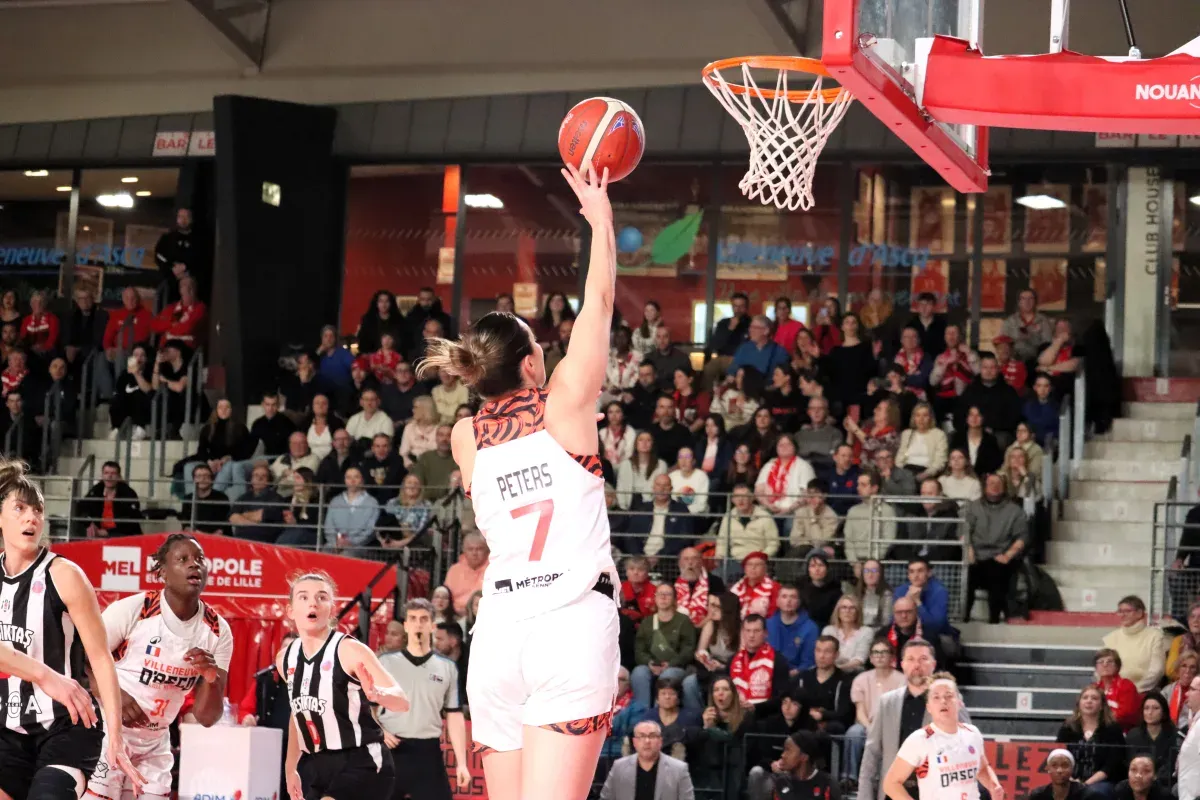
786, 128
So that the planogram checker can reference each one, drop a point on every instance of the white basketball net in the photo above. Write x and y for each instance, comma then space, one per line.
785, 137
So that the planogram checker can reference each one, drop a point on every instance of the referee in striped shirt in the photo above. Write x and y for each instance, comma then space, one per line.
431, 683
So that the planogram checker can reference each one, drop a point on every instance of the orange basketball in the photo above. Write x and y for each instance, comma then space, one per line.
605, 133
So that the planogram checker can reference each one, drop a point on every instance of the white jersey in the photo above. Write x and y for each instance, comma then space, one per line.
540, 508
148, 643
946, 764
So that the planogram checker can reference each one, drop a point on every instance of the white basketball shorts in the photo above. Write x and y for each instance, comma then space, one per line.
150, 752
556, 670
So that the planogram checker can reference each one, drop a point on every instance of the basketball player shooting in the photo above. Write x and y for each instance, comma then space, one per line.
547, 625
166, 644
49, 619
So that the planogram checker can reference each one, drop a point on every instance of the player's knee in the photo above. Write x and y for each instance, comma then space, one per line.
57, 783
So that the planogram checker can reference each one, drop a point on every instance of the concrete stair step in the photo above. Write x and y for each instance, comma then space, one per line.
1143, 410
1097, 554
995, 724
1133, 451
1021, 676
1009, 698
1118, 490
1067, 635
1151, 430
1027, 654
104, 450
1108, 510
1097, 589
1091, 533
1141, 469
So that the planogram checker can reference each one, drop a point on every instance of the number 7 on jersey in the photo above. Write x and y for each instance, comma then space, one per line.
545, 511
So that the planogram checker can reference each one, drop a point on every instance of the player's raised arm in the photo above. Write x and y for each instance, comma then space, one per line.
579, 376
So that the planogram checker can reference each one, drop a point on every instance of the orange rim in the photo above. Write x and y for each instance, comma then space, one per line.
810, 66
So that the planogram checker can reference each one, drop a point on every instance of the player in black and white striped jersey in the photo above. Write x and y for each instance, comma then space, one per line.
50, 733
335, 746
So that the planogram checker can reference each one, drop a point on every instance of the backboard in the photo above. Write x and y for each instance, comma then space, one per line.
877, 48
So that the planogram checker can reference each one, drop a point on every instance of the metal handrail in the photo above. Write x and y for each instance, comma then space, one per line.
16, 432
51, 426
1080, 419
88, 397
195, 366
1048, 485
1185, 468
124, 435
1064, 452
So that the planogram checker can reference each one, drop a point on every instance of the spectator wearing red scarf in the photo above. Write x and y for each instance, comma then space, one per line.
694, 586
39, 330
637, 592
952, 371
1120, 693
756, 592
757, 671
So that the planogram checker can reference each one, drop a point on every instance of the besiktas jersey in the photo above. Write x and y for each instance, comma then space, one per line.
148, 643
946, 764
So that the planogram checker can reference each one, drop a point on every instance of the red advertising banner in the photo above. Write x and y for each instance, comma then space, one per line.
247, 585
1020, 765
477, 788
243, 576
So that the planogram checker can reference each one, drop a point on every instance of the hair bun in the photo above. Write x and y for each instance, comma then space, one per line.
468, 361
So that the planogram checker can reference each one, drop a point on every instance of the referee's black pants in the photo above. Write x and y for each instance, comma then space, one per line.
420, 771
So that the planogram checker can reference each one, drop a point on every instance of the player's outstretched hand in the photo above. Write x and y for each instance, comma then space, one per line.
71, 695
204, 663
294, 787
119, 756
392, 698
132, 714
592, 191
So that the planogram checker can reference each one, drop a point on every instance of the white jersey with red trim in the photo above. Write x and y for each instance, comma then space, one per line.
946, 764
148, 643
541, 510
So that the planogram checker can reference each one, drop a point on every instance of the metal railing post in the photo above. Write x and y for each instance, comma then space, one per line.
85, 409
160, 433
154, 422
46, 422
70, 507
1079, 431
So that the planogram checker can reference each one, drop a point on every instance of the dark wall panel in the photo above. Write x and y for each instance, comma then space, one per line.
278, 268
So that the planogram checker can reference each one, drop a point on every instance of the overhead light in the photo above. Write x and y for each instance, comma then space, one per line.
1194, 199
129, 179
122, 200
483, 201
62, 188
37, 173
143, 193
1041, 202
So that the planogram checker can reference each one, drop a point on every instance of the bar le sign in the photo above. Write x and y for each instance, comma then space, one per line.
178, 144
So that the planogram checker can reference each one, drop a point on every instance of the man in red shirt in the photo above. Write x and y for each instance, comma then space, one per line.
39, 330
128, 325
1014, 371
182, 320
